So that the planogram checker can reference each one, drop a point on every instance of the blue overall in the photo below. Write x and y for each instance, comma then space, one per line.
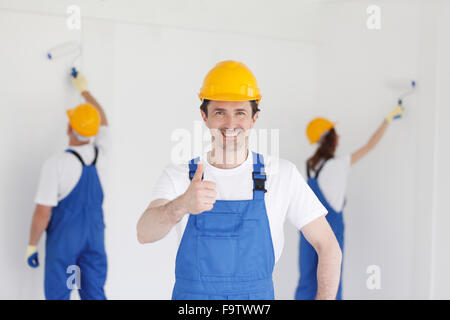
307, 287
227, 253
75, 237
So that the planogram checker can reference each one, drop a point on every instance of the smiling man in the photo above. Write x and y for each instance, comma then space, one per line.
230, 204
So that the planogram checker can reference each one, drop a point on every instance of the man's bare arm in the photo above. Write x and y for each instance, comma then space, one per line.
161, 215
320, 235
80, 83
158, 219
41, 217
91, 100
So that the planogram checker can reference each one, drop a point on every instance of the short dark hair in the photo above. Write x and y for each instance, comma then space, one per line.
204, 106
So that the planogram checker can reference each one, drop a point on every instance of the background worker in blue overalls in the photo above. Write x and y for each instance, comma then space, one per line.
327, 177
69, 205
230, 204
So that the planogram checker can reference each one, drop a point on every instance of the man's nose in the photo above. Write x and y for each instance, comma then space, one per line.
229, 122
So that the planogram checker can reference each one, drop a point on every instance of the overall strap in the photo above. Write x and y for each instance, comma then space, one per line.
320, 169
95, 158
307, 171
76, 155
193, 167
258, 176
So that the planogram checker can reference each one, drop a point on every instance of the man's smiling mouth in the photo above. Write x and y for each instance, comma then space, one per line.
230, 134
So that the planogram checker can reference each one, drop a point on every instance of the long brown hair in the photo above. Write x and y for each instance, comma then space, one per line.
325, 150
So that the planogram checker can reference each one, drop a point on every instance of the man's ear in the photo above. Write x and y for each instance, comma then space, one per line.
255, 117
69, 129
204, 117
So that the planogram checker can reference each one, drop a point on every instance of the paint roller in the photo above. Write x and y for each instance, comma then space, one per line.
405, 94
407, 86
67, 49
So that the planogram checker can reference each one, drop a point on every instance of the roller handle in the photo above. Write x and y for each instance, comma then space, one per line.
400, 104
74, 72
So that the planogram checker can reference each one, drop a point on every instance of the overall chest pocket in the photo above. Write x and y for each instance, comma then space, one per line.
217, 243
218, 224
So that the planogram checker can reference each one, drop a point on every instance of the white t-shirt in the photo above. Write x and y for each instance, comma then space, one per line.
61, 172
288, 194
333, 180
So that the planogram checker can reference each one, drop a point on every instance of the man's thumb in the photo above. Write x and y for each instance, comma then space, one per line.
198, 173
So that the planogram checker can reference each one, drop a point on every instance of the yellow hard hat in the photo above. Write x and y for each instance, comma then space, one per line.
317, 127
84, 119
230, 81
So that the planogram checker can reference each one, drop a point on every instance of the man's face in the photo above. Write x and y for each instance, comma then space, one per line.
230, 123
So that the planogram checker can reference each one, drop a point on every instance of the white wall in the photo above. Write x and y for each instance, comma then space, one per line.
145, 62
441, 239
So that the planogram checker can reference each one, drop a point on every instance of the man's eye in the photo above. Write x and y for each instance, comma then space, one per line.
219, 113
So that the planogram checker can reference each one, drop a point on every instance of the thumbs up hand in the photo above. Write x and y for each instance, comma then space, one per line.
200, 195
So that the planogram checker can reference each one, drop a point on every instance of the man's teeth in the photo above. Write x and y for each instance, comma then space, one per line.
230, 133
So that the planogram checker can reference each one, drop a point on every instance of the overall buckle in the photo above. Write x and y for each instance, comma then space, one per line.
259, 181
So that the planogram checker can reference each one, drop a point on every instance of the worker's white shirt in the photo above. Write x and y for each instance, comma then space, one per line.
333, 180
61, 172
288, 194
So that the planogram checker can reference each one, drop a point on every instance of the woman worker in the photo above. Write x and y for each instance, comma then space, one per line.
327, 177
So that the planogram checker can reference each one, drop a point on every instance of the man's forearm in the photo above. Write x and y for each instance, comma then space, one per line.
90, 99
35, 234
38, 225
156, 222
328, 273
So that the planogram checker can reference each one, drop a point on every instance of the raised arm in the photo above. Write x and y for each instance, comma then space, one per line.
91, 100
80, 83
376, 137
